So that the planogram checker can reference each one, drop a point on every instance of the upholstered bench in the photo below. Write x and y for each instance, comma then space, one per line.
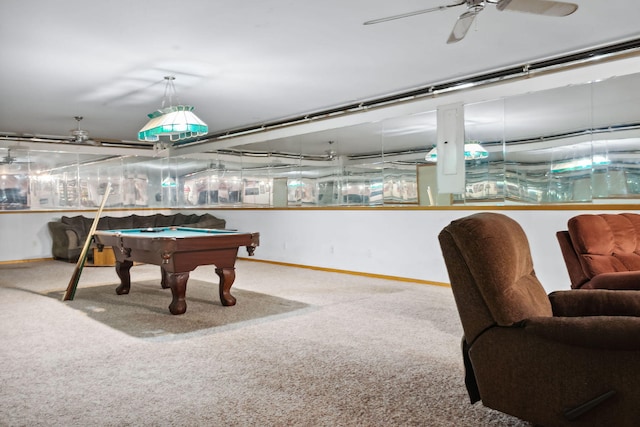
602, 251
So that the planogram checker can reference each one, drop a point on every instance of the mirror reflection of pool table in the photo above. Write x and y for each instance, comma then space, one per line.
178, 251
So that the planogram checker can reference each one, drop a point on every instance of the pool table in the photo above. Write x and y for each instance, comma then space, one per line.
178, 251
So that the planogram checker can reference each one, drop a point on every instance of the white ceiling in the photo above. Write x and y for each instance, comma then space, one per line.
247, 62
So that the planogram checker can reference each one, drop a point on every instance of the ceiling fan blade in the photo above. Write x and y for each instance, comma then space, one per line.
539, 7
417, 12
462, 26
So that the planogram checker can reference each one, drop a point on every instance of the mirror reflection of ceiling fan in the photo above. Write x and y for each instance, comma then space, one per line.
474, 7
11, 163
8, 159
80, 136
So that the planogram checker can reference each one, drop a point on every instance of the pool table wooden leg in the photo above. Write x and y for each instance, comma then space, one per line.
123, 270
178, 284
164, 281
227, 277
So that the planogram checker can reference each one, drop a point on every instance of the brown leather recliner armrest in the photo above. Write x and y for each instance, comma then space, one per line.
595, 302
602, 332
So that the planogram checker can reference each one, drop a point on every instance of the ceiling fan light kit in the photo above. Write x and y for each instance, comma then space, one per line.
474, 7
176, 122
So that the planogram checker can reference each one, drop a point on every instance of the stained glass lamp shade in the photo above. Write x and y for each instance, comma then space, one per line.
178, 122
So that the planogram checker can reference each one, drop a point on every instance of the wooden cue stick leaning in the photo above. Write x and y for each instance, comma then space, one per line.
75, 277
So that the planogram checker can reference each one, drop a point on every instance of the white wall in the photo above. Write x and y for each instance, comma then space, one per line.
24, 235
402, 243
391, 242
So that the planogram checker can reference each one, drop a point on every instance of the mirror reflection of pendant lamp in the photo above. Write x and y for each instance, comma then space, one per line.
175, 122
168, 182
472, 151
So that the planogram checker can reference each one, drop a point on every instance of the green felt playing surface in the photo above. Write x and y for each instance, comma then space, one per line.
170, 232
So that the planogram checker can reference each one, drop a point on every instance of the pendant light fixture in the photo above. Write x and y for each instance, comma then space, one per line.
175, 122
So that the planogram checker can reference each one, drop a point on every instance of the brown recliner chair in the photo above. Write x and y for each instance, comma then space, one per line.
569, 358
602, 251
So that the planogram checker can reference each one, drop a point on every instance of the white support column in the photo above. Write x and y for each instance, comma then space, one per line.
450, 146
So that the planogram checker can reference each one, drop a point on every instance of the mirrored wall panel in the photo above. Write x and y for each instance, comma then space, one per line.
574, 144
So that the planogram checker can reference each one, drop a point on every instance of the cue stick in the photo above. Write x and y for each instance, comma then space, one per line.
75, 277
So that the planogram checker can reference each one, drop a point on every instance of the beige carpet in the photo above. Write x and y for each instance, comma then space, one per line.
301, 348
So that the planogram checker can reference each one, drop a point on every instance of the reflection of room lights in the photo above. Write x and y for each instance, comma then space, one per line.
472, 151
581, 164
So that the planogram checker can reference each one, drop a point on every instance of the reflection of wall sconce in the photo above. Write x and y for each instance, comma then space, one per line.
471, 152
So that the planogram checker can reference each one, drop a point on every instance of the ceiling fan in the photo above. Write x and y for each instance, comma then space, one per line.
80, 136
474, 7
